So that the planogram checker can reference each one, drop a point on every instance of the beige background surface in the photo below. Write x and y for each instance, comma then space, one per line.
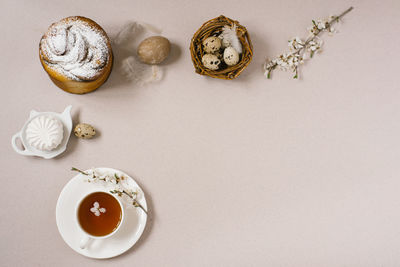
248, 172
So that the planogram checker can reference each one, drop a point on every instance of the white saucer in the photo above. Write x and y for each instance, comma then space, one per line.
129, 233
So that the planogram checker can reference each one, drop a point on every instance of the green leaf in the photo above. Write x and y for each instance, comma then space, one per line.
315, 24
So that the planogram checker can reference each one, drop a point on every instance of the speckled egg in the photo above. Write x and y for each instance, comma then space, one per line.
154, 50
84, 130
211, 44
231, 56
211, 61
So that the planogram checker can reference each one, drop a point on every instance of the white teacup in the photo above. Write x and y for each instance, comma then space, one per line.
87, 236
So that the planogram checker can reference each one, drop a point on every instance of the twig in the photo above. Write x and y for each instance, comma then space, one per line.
115, 191
77, 170
335, 19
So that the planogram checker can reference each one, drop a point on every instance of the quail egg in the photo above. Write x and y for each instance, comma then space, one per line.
211, 61
211, 44
84, 131
231, 56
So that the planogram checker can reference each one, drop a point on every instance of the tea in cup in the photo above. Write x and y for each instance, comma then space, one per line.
99, 215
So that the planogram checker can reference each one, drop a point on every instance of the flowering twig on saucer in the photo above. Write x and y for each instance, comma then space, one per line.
300, 49
116, 180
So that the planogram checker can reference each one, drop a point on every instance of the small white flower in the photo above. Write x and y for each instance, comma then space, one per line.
320, 25
134, 194
296, 43
93, 172
95, 209
331, 31
294, 60
301, 51
312, 30
269, 64
314, 45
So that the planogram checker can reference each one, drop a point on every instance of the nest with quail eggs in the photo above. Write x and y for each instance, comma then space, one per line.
221, 48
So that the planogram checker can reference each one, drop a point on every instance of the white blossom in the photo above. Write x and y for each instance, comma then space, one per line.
302, 50
322, 24
295, 43
314, 46
96, 209
120, 186
133, 193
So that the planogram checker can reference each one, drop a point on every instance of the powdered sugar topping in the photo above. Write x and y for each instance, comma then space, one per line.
75, 49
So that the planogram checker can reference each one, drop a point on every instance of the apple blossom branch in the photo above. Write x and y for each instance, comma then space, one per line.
116, 180
302, 50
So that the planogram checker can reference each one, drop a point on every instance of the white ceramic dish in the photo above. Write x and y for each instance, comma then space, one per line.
134, 221
65, 118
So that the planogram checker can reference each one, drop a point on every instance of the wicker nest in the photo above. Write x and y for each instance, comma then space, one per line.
213, 28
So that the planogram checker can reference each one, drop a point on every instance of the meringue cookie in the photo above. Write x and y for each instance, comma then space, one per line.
45, 133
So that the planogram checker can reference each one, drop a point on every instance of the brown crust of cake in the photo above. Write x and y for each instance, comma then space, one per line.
73, 86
